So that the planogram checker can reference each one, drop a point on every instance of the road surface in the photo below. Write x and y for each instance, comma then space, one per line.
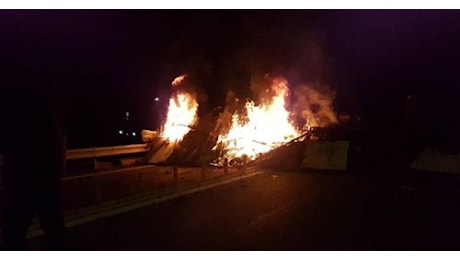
287, 211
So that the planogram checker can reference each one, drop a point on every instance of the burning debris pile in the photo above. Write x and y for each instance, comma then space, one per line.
242, 132
181, 118
258, 128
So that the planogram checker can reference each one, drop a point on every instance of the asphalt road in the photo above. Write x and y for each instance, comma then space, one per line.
289, 211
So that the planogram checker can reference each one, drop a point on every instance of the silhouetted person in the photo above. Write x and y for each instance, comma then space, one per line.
33, 164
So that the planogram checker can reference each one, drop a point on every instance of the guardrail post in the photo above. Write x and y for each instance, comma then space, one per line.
95, 163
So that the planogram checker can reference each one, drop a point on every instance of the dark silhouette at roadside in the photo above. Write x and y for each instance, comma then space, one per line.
34, 159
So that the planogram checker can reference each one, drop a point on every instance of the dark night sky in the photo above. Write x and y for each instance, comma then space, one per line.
101, 63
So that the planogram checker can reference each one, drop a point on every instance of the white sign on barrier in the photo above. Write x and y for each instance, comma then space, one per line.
436, 161
326, 155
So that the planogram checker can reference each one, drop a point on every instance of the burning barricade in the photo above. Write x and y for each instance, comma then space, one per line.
182, 139
242, 133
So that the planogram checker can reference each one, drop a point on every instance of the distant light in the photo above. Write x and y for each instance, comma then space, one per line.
156, 99
134, 134
127, 115
120, 132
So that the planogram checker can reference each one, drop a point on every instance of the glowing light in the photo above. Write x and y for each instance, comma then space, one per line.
120, 132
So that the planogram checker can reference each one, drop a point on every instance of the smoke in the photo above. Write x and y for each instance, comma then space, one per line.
187, 83
261, 93
265, 87
314, 106
224, 120
182, 85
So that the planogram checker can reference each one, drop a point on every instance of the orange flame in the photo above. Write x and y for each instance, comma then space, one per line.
182, 114
267, 126
178, 80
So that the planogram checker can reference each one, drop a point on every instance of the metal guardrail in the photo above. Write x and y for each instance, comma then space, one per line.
97, 152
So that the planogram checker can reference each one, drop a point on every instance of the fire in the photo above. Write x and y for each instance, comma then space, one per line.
178, 80
266, 126
252, 130
182, 114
